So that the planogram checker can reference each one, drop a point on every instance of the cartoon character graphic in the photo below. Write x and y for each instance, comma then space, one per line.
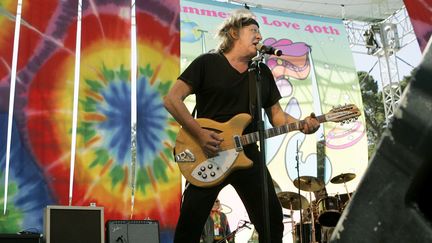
296, 63
293, 64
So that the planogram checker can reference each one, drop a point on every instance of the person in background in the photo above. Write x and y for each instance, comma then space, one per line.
220, 82
216, 227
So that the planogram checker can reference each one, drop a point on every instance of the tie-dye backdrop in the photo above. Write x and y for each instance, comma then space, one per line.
420, 12
42, 129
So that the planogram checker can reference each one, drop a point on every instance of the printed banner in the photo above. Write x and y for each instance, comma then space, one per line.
158, 52
420, 12
30, 183
104, 126
42, 129
315, 73
7, 21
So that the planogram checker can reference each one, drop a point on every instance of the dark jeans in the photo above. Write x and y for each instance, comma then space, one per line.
197, 203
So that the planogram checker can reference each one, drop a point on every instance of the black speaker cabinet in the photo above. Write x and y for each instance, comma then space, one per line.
132, 231
73, 224
20, 238
392, 202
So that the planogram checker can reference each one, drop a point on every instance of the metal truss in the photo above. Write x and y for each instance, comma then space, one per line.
383, 40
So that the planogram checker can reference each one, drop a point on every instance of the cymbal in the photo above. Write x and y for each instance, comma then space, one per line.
292, 200
309, 183
342, 178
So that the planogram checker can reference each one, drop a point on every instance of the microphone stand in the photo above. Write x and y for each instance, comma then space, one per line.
254, 69
301, 206
232, 234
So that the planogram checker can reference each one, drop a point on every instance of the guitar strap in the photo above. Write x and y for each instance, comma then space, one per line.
194, 112
252, 92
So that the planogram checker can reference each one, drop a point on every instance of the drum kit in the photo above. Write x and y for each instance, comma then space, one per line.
324, 212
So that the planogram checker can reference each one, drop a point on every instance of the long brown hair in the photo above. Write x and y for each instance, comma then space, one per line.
230, 28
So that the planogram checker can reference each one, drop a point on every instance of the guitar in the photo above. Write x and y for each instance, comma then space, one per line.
202, 171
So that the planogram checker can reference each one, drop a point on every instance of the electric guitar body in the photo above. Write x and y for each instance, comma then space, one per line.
206, 172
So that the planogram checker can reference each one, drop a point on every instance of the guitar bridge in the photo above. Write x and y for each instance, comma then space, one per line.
185, 156
238, 144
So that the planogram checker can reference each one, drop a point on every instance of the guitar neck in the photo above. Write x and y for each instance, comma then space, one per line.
275, 131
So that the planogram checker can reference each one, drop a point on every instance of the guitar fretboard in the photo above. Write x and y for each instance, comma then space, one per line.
274, 131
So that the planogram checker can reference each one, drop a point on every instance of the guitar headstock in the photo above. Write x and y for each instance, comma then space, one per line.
346, 113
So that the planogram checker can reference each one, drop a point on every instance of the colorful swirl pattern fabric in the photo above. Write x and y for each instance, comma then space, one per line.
29, 188
7, 10
44, 105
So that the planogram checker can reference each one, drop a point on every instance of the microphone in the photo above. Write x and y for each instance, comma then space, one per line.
268, 49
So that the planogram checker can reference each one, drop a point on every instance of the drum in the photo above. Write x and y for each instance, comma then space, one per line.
328, 211
307, 233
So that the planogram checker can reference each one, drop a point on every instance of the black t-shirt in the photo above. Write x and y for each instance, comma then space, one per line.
221, 91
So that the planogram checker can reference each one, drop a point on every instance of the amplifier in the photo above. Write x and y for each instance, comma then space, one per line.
72, 224
20, 238
132, 231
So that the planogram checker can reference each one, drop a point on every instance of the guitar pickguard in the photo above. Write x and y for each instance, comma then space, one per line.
215, 167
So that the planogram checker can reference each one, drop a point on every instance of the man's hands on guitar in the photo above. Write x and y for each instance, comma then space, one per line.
210, 142
310, 124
